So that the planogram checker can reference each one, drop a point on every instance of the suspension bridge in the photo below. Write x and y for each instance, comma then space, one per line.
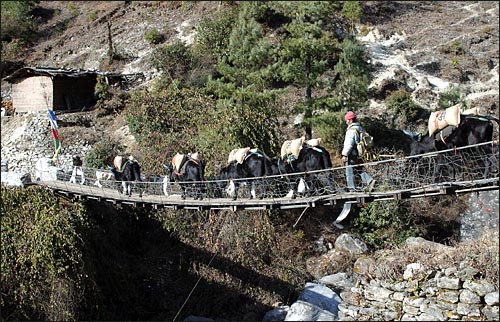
455, 171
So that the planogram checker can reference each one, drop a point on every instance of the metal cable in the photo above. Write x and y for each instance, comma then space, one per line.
208, 265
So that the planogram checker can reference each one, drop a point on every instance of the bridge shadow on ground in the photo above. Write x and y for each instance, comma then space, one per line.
143, 273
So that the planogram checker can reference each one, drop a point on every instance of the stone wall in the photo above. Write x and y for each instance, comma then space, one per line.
27, 138
454, 294
442, 284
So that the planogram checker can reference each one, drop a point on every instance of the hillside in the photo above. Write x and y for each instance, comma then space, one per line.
424, 47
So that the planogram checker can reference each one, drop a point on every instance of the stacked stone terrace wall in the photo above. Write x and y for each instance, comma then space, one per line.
30, 140
451, 294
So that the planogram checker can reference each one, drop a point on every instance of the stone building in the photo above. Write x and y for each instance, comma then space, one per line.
39, 89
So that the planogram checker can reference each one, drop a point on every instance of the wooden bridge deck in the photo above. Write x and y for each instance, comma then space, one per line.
460, 170
175, 201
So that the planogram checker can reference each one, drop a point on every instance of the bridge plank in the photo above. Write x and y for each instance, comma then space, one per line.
176, 202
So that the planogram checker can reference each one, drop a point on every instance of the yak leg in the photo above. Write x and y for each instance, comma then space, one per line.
231, 190
165, 185
253, 194
195, 191
183, 195
124, 186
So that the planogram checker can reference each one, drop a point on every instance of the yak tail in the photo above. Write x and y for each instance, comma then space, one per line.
136, 171
327, 161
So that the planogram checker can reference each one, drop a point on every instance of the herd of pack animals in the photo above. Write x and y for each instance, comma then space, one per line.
453, 127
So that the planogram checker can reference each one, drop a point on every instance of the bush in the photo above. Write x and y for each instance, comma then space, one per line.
102, 154
101, 89
449, 98
175, 60
401, 103
383, 224
42, 255
167, 122
190, 66
16, 20
331, 128
213, 32
153, 37
114, 104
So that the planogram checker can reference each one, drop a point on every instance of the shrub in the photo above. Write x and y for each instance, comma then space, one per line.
92, 16
213, 32
16, 20
153, 37
167, 122
114, 104
384, 224
449, 98
42, 255
175, 60
401, 103
331, 128
101, 89
102, 154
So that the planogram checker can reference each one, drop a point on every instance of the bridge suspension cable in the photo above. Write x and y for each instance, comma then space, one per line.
459, 170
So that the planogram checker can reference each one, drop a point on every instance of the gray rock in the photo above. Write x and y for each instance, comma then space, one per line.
469, 297
481, 216
277, 314
305, 311
480, 287
321, 296
340, 281
491, 298
349, 243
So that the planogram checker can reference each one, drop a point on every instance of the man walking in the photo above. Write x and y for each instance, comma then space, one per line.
350, 153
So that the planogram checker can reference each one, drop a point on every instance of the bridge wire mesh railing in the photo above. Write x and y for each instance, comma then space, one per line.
467, 166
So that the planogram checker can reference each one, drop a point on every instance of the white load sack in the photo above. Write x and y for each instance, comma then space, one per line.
441, 119
471, 111
292, 147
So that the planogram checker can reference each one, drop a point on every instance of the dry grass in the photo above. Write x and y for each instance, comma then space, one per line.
482, 255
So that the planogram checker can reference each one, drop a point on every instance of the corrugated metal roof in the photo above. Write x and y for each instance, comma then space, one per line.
57, 72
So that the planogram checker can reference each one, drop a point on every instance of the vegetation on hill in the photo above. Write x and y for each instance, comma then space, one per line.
235, 86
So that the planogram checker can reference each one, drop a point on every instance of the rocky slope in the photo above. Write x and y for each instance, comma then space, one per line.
430, 47
424, 47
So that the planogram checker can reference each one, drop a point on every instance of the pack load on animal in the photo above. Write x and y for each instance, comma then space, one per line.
364, 143
120, 161
238, 155
179, 160
441, 119
314, 142
471, 111
292, 147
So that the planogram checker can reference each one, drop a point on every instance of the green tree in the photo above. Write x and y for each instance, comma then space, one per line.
353, 11
353, 76
244, 112
349, 91
308, 49
16, 21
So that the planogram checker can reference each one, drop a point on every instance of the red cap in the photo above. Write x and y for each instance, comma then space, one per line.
350, 115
